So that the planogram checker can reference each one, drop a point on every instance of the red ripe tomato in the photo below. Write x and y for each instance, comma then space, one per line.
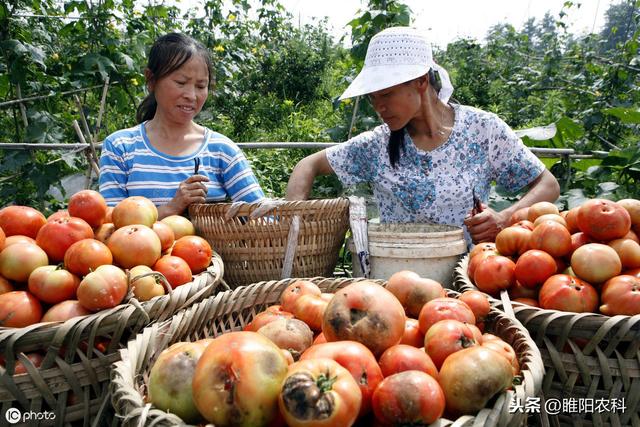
603, 219
413, 291
166, 235
34, 358
134, 245
403, 357
551, 237
513, 240
534, 267
444, 308
365, 312
621, 295
578, 239
628, 251
319, 339
412, 335
2, 238
56, 236
19, 309
494, 274
195, 250
22, 220
53, 284
86, 255
550, 217
483, 247
103, 288
319, 393
62, 213
524, 224
175, 270
18, 238
506, 351
295, 290
445, 338
528, 301
408, 398
355, 358
477, 302
65, 310
476, 260
571, 218
88, 205
17, 261
567, 293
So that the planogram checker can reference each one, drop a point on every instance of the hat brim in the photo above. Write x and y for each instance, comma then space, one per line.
378, 77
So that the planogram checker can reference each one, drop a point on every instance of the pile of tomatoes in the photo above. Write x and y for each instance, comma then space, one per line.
586, 259
404, 354
90, 257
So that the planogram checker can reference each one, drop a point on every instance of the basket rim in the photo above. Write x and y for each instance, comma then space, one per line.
124, 374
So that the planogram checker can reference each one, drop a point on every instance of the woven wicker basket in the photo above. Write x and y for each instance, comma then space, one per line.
73, 381
232, 310
588, 357
254, 250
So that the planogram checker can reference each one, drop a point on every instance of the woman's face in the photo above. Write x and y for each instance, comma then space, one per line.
181, 94
398, 104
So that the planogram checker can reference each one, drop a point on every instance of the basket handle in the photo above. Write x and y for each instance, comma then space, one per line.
292, 245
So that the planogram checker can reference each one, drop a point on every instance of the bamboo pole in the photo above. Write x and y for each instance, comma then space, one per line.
103, 101
23, 111
38, 97
92, 163
92, 147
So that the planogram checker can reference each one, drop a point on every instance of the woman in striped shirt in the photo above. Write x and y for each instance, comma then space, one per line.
167, 157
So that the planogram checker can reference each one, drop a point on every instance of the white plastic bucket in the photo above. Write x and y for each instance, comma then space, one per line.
431, 250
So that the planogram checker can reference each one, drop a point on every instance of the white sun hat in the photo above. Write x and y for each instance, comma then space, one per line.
397, 55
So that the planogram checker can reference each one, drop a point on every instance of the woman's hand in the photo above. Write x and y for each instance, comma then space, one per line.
191, 190
485, 226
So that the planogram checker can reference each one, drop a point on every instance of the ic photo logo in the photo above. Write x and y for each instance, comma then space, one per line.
13, 415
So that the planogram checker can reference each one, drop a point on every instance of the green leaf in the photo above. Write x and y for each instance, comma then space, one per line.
626, 115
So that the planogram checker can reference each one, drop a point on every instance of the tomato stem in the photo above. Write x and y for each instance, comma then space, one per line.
325, 382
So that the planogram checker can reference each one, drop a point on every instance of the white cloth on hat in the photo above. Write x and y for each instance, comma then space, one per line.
397, 55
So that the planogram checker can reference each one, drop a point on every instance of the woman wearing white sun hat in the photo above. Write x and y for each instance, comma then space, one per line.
430, 157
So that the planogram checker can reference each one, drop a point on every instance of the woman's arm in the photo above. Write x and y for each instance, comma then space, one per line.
484, 227
303, 174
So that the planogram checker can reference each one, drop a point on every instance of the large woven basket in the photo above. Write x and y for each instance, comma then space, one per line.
72, 381
590, 359
253, 249
232, 310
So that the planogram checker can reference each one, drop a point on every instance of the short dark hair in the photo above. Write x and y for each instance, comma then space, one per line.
168, 53
396, 139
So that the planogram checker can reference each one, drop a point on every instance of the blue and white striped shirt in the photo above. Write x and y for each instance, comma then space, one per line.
131, 166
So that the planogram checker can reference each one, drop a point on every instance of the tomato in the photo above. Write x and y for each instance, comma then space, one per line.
519, 215
447, 337
22, 220
356, 359
628, 251
103, 288
566, 293
319, 339
180, 225
17, 238
319, 393
265, 317
534, 267
103, 232
134, 245
134, 210
310, 309
86, 255
504, 349
412, 335
290, 334
477, 302
165, 233
578, 239
408, 398
53, 284
238, 379
403, 357
572, 220
35, 359
513, 240
595, 263
296, 290
483, 247
17, 261
528, 301
2, 238
195, 250
5, 286
56, 236
550, 217
603, 219
621, 295
551, 237
175, 270
471, 377
171, 376
145, 283
413, 291
365, 312
19, 309
88, 205
541, 208
476, 260
494, 274
64, 310
61, 213
444, 308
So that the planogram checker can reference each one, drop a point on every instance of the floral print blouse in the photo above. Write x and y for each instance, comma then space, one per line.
436, 186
